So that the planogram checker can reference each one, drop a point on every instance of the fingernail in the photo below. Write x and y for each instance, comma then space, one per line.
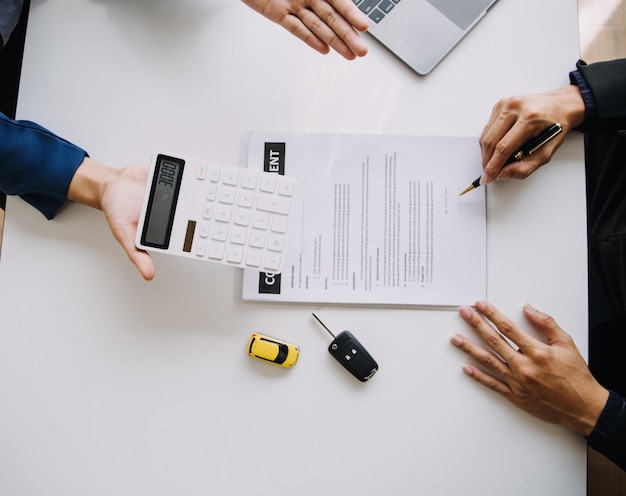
530, 308
484, 179
466, 312
468, 370
481, 305
456, 340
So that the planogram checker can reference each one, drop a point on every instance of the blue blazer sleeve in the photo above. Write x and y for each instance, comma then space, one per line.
36, 164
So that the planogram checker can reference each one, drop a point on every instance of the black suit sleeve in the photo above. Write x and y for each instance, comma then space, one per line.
609, 435
607, 83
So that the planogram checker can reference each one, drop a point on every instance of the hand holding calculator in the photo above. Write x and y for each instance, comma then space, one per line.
216, 213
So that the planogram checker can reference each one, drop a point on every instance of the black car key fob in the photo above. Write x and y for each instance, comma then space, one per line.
350, 353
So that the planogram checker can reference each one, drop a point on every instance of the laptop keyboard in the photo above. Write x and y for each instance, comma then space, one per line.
376, 10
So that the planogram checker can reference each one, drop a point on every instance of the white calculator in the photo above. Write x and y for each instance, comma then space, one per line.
217, 213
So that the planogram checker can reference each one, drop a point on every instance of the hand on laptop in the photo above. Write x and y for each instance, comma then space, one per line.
321, 24
517, 119
548, 379
119, 194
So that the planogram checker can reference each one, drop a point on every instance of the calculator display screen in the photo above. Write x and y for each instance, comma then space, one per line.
159, 219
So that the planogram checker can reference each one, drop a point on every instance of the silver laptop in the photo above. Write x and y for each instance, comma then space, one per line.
422, 32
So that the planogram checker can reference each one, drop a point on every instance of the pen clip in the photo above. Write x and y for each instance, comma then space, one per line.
557, 130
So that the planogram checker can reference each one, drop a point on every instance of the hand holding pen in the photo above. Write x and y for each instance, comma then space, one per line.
517, 118
527, 149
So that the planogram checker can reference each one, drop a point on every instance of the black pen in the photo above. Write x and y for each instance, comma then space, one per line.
528, 148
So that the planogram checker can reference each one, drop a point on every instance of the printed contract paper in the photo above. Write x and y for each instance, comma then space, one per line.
378, 220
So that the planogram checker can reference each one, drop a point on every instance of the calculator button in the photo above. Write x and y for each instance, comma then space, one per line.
268, 183
242, 217
279, 224
235, 254
227, 195
254, 257
201, 172
286, 188
257, 239
261, 220
201, 249
238, 235
230, 177
272, 261
246, 199
273, 204
215, 173
275, 243
223, 213
216, 251
208, 211
219, 232
211, 192
249, 180
204, 229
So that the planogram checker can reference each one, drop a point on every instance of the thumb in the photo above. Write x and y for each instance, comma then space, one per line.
546, 324
143, 262
141, 259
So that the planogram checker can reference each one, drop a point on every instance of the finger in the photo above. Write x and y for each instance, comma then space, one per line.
295, 26
488, 334
546, 324
507, 144
482, 356
351, 39
487, 380
351, 13
529, 164
319, 24
345, 20
518, 337
498, 125
520, 170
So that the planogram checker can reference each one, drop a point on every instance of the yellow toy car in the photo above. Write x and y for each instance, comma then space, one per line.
273, 350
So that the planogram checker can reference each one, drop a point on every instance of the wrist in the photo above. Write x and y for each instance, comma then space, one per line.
594, 406
572, 103
89, 183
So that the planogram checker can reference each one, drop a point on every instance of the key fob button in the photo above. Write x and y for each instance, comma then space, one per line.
351, 354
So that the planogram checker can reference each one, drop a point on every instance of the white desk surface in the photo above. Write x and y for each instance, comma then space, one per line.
111, 385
